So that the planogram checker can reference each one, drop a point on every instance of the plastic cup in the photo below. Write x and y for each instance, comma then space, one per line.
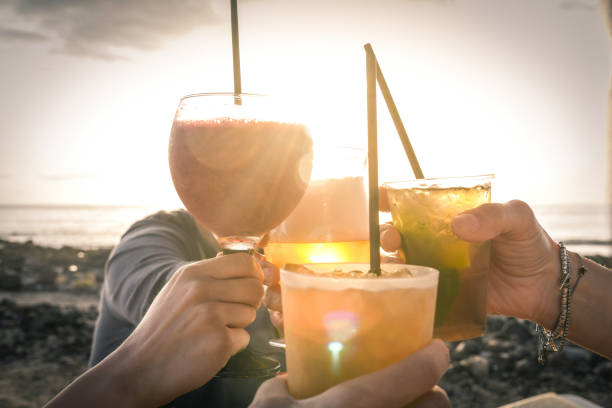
422, 211
350, 323
330, 223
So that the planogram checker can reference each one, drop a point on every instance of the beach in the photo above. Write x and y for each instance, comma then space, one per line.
48, 307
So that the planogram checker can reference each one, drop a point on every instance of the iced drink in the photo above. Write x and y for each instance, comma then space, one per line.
342, 322
239, 177
330, 224
422, 211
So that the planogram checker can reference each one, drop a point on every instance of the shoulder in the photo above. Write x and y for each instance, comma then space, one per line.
170, 229
180, 220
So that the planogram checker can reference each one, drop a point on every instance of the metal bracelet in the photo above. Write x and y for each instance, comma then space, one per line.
546, 338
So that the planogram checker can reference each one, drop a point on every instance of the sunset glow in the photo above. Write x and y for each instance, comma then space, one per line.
516, 89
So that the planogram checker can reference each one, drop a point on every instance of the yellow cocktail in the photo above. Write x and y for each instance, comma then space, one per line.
422, 211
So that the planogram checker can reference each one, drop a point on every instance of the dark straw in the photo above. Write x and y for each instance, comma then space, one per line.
397, 120
236, 53
372, 161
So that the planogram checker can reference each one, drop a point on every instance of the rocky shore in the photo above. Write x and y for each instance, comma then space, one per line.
44, 344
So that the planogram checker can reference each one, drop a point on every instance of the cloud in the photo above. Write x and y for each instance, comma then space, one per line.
15, 34
102, 28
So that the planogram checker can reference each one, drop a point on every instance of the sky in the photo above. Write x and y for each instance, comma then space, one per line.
518, 89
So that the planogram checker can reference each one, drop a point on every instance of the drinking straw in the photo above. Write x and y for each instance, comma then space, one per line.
401, 131
236, 53
372, 162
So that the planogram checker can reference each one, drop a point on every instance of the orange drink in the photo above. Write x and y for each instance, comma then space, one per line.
330, 223
341, 322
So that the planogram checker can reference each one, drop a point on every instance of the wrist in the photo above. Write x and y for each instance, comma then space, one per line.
547, 311
121, 372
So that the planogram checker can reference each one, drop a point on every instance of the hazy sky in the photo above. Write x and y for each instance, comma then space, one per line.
519, 89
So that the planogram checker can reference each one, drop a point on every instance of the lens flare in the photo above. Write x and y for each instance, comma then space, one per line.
340, 325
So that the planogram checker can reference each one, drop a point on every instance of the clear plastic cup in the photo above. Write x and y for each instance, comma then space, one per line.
330, 223
345, 324
422, 211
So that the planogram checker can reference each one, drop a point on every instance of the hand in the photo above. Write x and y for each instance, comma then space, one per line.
192, 328
272, 296
408, 383
524, 259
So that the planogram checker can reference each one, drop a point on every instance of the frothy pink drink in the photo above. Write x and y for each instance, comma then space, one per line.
239, 177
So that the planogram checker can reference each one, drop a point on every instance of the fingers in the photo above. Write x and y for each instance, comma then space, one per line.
514, 219
273, 394
390, 238
238, 340
396, 385
271, 272
233, 266
276, 318
272, 298
247, 291
233, 315
235, 278
434, 398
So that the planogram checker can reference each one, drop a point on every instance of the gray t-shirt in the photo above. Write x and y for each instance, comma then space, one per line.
147, 255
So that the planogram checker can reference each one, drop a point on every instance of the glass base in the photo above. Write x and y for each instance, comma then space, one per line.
246, 364
238, 243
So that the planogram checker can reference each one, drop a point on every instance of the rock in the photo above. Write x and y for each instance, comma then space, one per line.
10, 338
497, 345
9, 279
604, 371
478, 366
524, 366
465, 348
517, 330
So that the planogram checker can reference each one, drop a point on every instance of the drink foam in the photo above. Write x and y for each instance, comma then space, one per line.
343, 276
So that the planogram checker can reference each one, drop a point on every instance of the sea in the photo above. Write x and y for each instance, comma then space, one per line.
586, 229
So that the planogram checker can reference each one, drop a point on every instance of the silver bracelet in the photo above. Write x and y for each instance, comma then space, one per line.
546, 338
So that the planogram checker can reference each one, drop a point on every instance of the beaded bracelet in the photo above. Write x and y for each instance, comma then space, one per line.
546, 338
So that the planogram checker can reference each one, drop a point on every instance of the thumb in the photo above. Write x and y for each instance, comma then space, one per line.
273, 393
514, 219
393, 386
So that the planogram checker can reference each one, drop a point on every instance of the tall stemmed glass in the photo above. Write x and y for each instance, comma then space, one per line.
239, 169
240, 164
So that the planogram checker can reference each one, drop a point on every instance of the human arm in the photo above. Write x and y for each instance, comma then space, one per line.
193, 326
147, 256
524, 275
410, 382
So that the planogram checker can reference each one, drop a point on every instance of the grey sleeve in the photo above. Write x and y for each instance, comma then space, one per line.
139, 266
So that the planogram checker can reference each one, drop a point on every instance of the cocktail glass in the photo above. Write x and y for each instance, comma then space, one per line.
330, 223
240, 164
239, 169
342, 322
422, 211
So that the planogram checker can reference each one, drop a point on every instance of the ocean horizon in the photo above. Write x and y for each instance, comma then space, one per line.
586, 228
